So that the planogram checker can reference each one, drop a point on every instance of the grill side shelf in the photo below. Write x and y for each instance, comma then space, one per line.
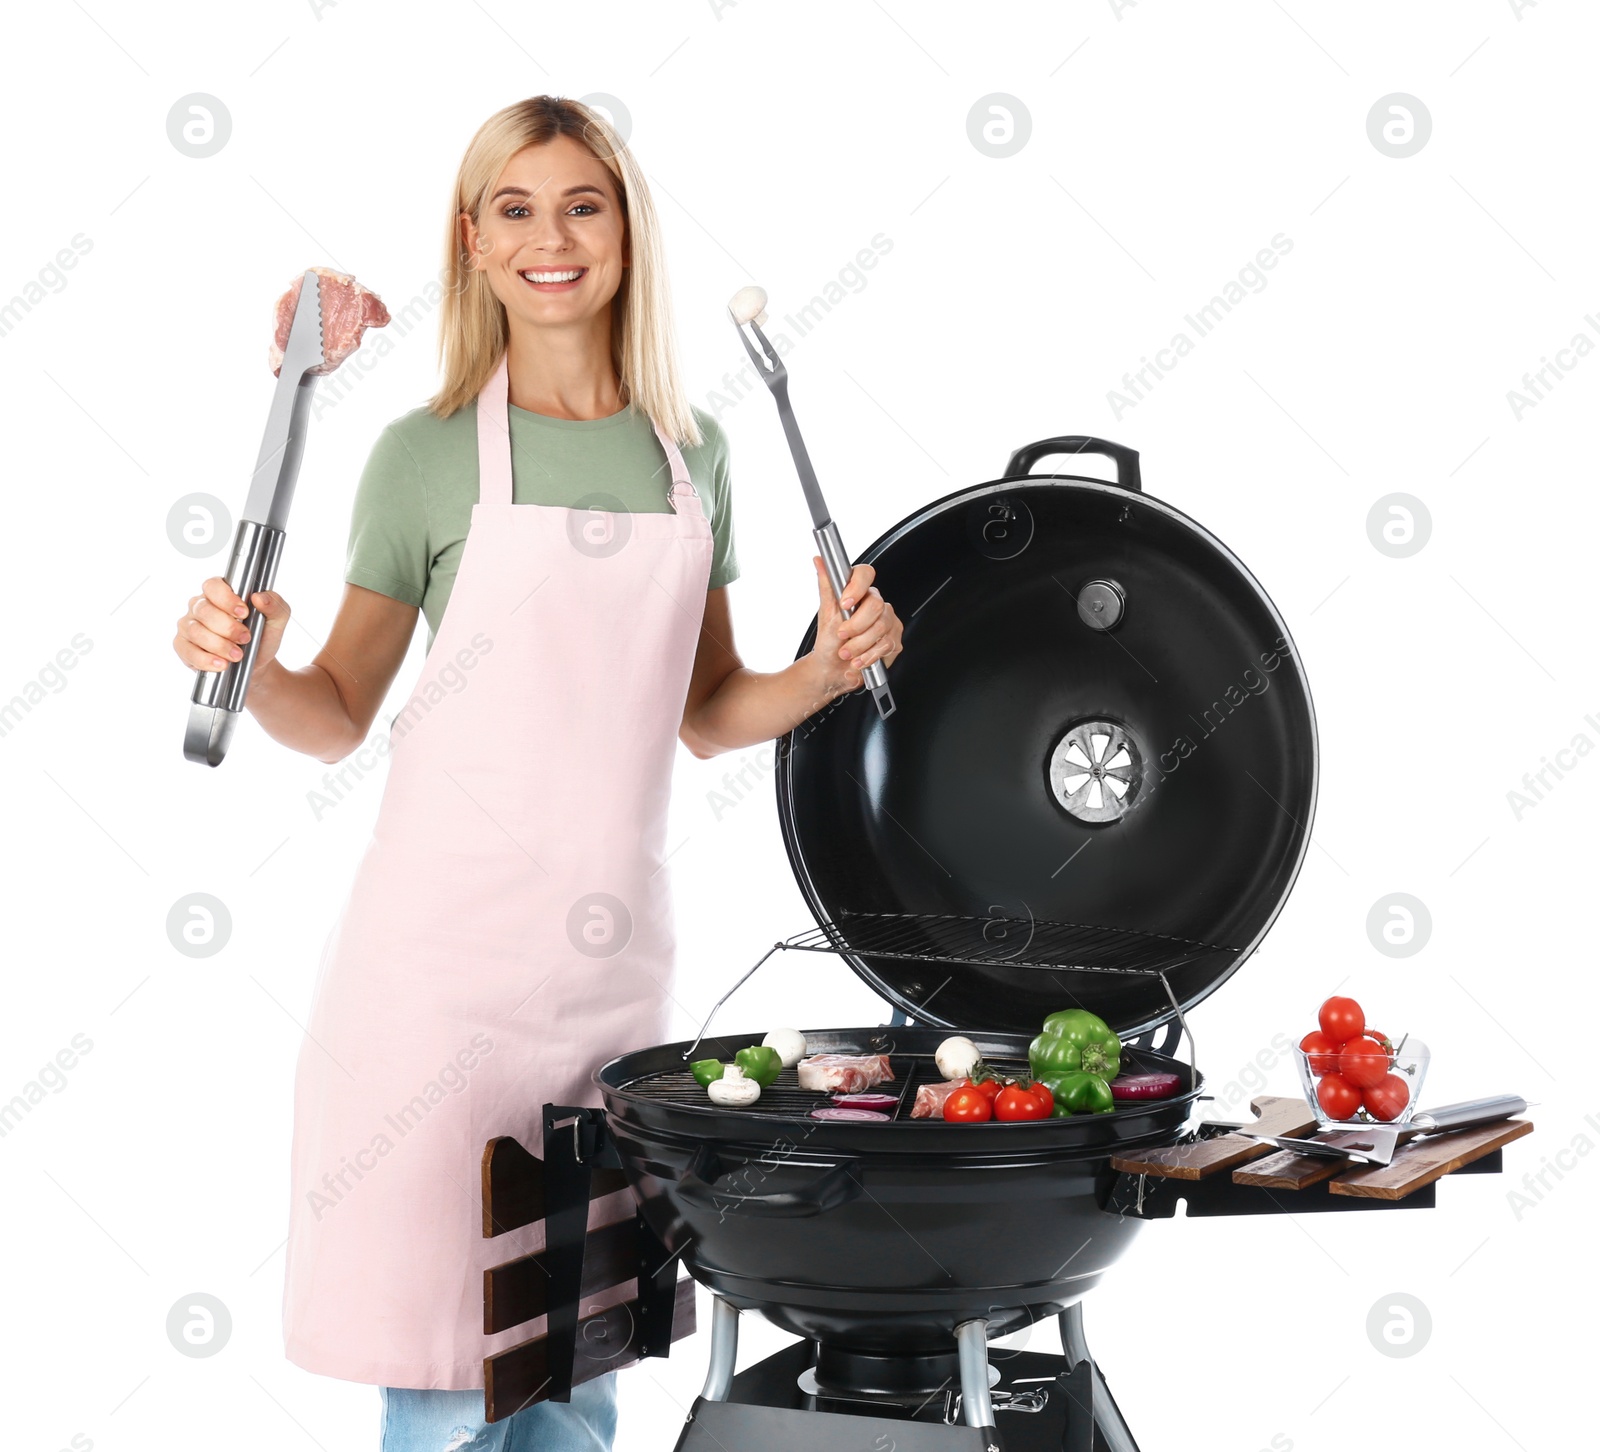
580, 1165
1149, 1185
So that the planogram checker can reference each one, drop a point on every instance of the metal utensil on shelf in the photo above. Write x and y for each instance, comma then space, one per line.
217, 700
748, 310
1376, 1145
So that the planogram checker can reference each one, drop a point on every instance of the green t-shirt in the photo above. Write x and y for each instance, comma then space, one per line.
414, 502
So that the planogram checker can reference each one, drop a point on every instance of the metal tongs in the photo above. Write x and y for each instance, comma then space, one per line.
217, 701
824, 530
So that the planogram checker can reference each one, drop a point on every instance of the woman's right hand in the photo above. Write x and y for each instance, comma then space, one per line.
212, 635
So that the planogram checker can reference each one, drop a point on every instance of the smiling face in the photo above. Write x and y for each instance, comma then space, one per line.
552, 239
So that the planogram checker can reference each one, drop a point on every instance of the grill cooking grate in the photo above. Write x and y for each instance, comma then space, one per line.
785, 1099
963, 938
1025, 942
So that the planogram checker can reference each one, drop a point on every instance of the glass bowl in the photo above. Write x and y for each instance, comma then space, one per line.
1409, 1065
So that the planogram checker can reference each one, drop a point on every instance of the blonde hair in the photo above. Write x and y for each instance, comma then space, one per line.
472, 321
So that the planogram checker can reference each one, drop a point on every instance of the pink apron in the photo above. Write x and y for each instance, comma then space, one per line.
510, 926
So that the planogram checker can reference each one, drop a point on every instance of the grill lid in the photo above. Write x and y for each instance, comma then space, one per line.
1098, 786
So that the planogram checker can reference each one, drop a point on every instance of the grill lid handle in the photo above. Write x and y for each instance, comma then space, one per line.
1126, 459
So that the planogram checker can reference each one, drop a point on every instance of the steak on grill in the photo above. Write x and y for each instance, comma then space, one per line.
843, 1073
931, 1098
348, 310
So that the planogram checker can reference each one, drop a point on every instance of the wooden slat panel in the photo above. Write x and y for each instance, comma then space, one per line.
1276, 1115
518, 1377
1425, 1161
1288, 1171
513, 1186
516, 1291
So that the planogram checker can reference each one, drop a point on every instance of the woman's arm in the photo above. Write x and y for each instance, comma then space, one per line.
324, 709
730, 706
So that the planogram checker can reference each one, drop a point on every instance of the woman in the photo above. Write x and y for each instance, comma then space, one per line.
509, 928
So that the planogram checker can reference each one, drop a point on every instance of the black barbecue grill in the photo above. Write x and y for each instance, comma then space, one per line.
1097, 790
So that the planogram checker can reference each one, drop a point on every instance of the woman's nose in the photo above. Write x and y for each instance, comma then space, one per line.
549, 230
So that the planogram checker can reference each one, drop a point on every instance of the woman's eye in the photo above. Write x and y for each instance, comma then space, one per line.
516, 210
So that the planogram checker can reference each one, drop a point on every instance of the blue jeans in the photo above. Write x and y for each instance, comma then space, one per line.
452, 1421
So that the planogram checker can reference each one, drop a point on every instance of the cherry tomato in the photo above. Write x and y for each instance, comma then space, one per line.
1341, 1019
989, 1088
1387, 1100
968, 1106
1384, 1039
1023, 1101
1321, 1052
1363, 1062
1338, 1097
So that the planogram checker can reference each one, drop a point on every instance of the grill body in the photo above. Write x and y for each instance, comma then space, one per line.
877, 1238
1097, 791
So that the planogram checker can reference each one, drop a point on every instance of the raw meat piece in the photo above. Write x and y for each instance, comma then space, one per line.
348, 310
843, 1073
931, 1098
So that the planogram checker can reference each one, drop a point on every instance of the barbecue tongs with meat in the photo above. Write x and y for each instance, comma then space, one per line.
217, 701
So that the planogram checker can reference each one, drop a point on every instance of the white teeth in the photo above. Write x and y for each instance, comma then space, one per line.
570, 276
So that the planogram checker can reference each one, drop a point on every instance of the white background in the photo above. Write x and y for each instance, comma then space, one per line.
1169, 143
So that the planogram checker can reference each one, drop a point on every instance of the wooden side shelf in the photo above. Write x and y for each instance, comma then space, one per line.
1261, 1167
577, 1262
513, 1186
606, 1342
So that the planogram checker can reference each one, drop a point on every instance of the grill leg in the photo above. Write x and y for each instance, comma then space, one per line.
724, 1350
972, 1355
1088, 1395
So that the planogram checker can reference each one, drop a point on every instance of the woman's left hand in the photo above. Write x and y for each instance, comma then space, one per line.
846, 647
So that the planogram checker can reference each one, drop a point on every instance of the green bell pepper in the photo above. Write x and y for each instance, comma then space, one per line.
705, 1070
1077, 1091
760, 1063
1075, 1039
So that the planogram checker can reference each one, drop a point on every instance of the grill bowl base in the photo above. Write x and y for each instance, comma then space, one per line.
881, 1238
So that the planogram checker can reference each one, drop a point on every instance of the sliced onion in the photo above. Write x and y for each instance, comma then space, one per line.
866, 1101
839, 1113
1145, 1086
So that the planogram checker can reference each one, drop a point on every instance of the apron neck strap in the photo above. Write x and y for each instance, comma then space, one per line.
494, 440
681, 493
494, 450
